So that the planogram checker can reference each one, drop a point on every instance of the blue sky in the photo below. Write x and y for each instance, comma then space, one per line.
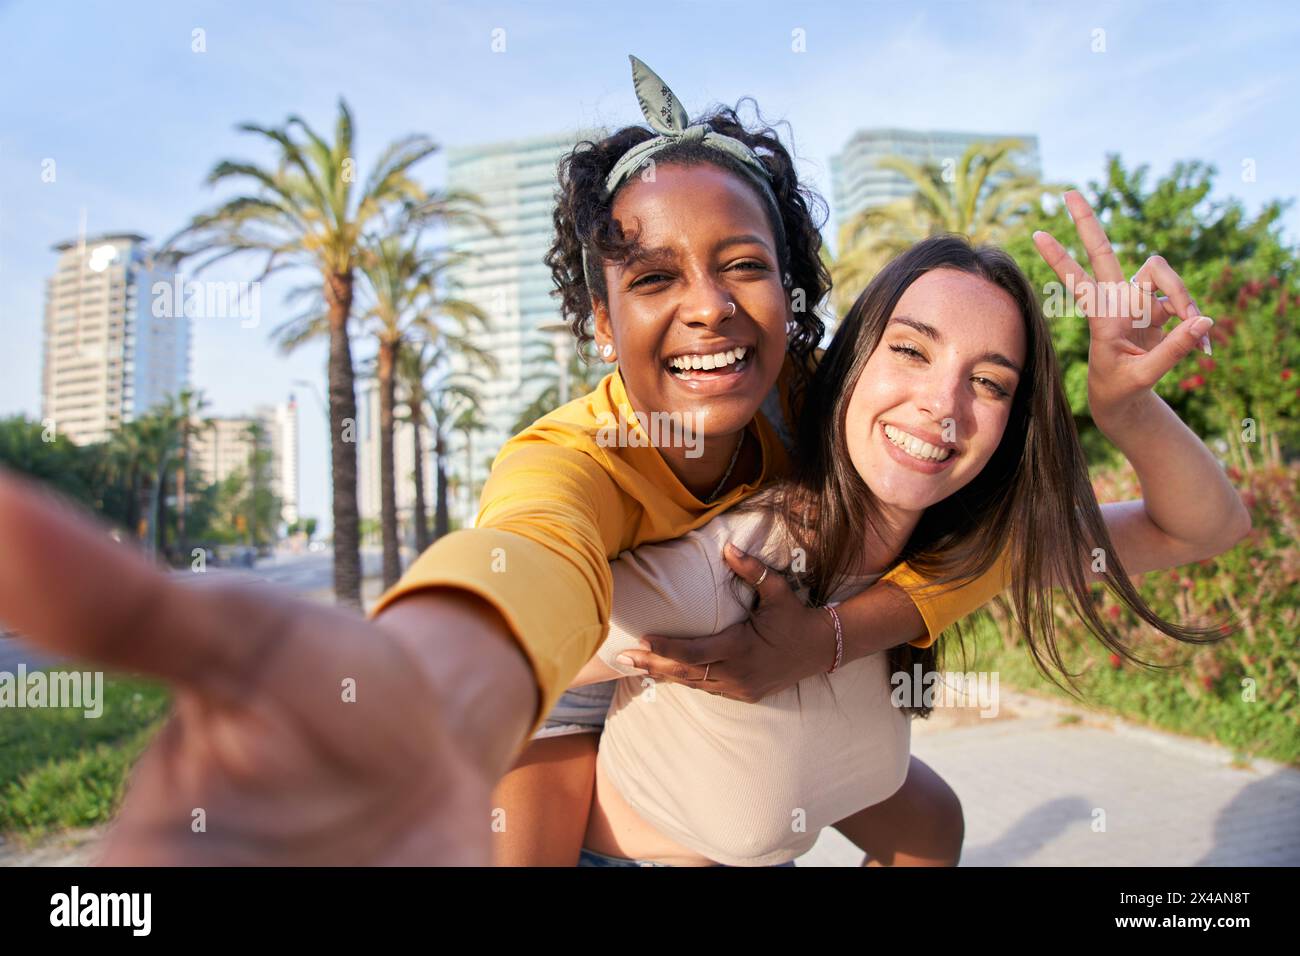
134, 118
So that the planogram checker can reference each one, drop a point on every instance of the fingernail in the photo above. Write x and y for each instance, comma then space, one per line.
625, 660
642, 643
1193, 311
1202, 325
1205, 345
735, 550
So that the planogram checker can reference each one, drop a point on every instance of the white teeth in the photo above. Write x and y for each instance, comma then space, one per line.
915, 446
706, 362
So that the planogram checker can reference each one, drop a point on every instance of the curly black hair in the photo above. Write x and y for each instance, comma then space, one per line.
583, 215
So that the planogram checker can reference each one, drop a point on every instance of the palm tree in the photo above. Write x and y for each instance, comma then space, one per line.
403, 282
540, 366
986, 196
158, 433
415, 362
186, 407
124, 453
467, 422
309, 210
436, 395
402, 299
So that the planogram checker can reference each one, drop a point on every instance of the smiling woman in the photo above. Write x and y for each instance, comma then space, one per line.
948, 339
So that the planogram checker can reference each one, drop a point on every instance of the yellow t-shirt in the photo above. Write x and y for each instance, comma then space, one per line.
562, 501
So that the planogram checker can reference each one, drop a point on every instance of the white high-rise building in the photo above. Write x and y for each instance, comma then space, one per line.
857, 181
508, 278
108, 357
282, 426
227, 446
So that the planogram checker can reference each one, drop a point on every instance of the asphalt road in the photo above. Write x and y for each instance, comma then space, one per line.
301, 573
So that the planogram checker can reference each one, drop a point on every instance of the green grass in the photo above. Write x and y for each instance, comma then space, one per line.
1160, 699
59, 769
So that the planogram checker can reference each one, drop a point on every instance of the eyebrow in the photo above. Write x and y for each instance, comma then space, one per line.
656, 254
930, 332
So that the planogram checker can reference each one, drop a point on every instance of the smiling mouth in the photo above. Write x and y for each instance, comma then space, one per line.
730, 362
915, 447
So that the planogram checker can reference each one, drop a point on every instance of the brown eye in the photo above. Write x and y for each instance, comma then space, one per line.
993, 387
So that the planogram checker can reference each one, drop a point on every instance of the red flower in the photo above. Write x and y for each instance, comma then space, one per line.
1195, 381
1234, 473
1207, 682
1186, 583
1114, 612
1207, 364
1286, 375
1115, 661
1225, 629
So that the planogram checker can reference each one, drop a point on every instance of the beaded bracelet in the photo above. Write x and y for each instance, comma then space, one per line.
839, 639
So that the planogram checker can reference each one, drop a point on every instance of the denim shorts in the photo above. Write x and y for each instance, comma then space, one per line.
580, 710
592, 858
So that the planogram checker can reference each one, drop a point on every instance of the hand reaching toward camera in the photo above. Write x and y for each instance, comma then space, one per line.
285, 766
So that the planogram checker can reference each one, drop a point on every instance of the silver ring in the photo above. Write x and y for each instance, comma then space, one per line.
733, 309
761, 578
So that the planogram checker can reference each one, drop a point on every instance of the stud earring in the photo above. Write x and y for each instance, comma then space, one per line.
607, 350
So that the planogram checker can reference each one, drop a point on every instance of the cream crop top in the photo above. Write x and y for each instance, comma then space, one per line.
742, 784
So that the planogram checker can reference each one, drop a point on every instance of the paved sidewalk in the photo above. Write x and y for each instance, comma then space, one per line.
1031, 780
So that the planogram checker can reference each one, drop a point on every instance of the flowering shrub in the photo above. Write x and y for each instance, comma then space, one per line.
1243, 690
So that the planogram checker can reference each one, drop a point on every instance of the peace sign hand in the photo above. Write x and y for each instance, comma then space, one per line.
1128, 351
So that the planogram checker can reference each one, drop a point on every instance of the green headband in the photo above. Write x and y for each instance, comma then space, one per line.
666, 116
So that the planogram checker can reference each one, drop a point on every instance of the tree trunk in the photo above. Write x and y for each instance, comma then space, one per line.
387, 465
133, 501
343, 443
182, 475
469, 474
441, 517
160, 515
421, 517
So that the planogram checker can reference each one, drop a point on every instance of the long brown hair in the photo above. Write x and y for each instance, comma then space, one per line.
1033, 498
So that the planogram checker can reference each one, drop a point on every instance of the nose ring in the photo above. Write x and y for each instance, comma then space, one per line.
733, 310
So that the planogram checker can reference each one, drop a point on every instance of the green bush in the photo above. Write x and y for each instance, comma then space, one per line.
1205, 690
60, 769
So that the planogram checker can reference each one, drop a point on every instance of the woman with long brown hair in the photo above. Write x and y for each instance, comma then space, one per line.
936, 431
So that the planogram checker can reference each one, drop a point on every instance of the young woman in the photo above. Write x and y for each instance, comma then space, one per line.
672, 251
937, 432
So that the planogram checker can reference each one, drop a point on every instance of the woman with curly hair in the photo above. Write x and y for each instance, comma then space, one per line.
690, 254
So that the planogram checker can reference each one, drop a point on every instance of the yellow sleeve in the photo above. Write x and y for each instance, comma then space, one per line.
538, 555
940, 607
